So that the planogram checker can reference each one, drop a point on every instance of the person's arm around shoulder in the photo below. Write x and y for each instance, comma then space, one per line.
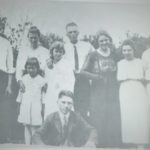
88, 66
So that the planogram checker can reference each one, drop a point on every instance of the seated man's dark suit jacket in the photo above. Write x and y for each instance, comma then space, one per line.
79, 131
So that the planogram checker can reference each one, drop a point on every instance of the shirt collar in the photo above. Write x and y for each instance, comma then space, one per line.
62, 116
103, 53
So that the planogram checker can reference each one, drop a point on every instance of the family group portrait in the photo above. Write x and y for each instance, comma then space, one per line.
75, 74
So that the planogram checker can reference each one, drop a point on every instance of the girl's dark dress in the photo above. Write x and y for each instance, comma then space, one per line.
104, 105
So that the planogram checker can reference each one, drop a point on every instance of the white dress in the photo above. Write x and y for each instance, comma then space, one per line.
61, 77
31, 100
133, 102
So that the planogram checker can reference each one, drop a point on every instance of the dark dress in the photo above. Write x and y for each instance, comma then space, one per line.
104, 105
82, 96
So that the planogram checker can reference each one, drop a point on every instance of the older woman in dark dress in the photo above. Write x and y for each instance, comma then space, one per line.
100, 67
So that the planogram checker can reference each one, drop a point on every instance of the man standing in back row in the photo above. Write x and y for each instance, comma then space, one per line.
76, 53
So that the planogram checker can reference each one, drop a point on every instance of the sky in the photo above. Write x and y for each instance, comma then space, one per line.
52, 16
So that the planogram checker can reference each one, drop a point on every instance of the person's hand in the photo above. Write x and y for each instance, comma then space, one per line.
21, 86
44, 88
8, 91
76, 73
88, 114
49, 63
104, 68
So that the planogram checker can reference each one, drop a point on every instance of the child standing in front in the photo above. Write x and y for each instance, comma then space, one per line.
133, 99
30, 99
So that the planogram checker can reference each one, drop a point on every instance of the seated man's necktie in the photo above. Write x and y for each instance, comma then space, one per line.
65, 127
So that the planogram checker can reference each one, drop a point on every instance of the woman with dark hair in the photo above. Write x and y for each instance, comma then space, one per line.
34, 49
58, 75
133, 100
100, 67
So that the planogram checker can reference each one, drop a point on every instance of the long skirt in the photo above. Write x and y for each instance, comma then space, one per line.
134, 112
105, 113
82, 96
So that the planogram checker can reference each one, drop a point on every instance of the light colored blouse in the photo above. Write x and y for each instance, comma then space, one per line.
130, 69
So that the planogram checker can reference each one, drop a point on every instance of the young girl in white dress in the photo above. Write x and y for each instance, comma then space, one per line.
58, 75
30, 99
133, 99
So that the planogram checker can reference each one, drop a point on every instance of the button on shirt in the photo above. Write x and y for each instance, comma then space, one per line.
146, 62
6, 56
83, 48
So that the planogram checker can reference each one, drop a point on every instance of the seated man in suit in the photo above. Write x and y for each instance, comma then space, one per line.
65, 127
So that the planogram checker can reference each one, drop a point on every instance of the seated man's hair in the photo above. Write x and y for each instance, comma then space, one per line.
66, 93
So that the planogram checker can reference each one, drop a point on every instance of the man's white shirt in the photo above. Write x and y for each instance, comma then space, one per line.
83, 49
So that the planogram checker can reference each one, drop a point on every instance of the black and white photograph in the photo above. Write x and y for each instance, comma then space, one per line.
75, 74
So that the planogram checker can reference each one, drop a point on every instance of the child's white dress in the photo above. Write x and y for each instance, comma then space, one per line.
61, 77
31, 100
133, 102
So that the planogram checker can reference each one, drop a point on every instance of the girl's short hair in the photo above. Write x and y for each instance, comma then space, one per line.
57, 45
34, 30
105, 33
130, 43
33, 61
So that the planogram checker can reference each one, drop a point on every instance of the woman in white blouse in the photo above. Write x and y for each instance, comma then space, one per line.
133, 99
32, 50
